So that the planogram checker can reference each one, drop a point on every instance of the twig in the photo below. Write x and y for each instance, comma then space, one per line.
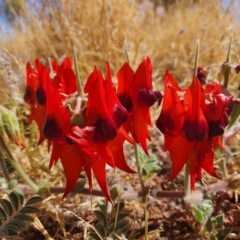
232, 183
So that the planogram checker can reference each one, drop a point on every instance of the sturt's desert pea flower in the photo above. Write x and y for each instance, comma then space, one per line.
136, 94
97, 141
192, 121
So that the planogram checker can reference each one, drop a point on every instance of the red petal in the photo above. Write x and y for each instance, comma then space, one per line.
125, 76
180, 150
171, 117
195, 126
142, 79
96, 106
72, 168
43, 75
140, 129
115, 108
124, 134
31, 85
56, 153
105, 153
38, 114
99, 171
116, 146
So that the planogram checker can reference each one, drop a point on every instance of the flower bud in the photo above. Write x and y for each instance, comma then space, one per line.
9, 126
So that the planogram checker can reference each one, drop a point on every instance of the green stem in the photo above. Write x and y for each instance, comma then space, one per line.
125, 44
79, 84
117, 213
139, 167
196, 59
187, 178
226, 68
16, 165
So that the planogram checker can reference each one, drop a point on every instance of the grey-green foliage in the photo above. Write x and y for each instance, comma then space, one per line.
106, 222
149, 165
13, 214
213, 226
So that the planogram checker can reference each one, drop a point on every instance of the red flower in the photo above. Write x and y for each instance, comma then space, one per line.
100, 142
35, 94
136, 94
189, 120
105, 112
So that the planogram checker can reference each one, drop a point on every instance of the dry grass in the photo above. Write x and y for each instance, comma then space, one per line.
97, 29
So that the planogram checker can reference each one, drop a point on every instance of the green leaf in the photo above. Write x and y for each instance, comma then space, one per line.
29, 209
24, 217
20, 195
20, 223
7, 207
121, 217
79, 185
218, 221
101, 217
12, 226
121, 207
102, 206
11, 233
33, 200
208, 225
13, 198
2, 214
94, 236
222, 235
100, 228
114, 192
198, 214
119, 227
149, 165
3, 233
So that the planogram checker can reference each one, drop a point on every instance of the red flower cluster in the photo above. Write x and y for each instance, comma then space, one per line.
192, 120
94, 136
91, 136
136, 95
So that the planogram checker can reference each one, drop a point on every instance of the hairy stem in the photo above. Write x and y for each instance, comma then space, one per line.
138, 167
226, 68
15, 164
79, 84
196, 59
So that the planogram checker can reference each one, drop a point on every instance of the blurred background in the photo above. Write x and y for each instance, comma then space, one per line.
101, 30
